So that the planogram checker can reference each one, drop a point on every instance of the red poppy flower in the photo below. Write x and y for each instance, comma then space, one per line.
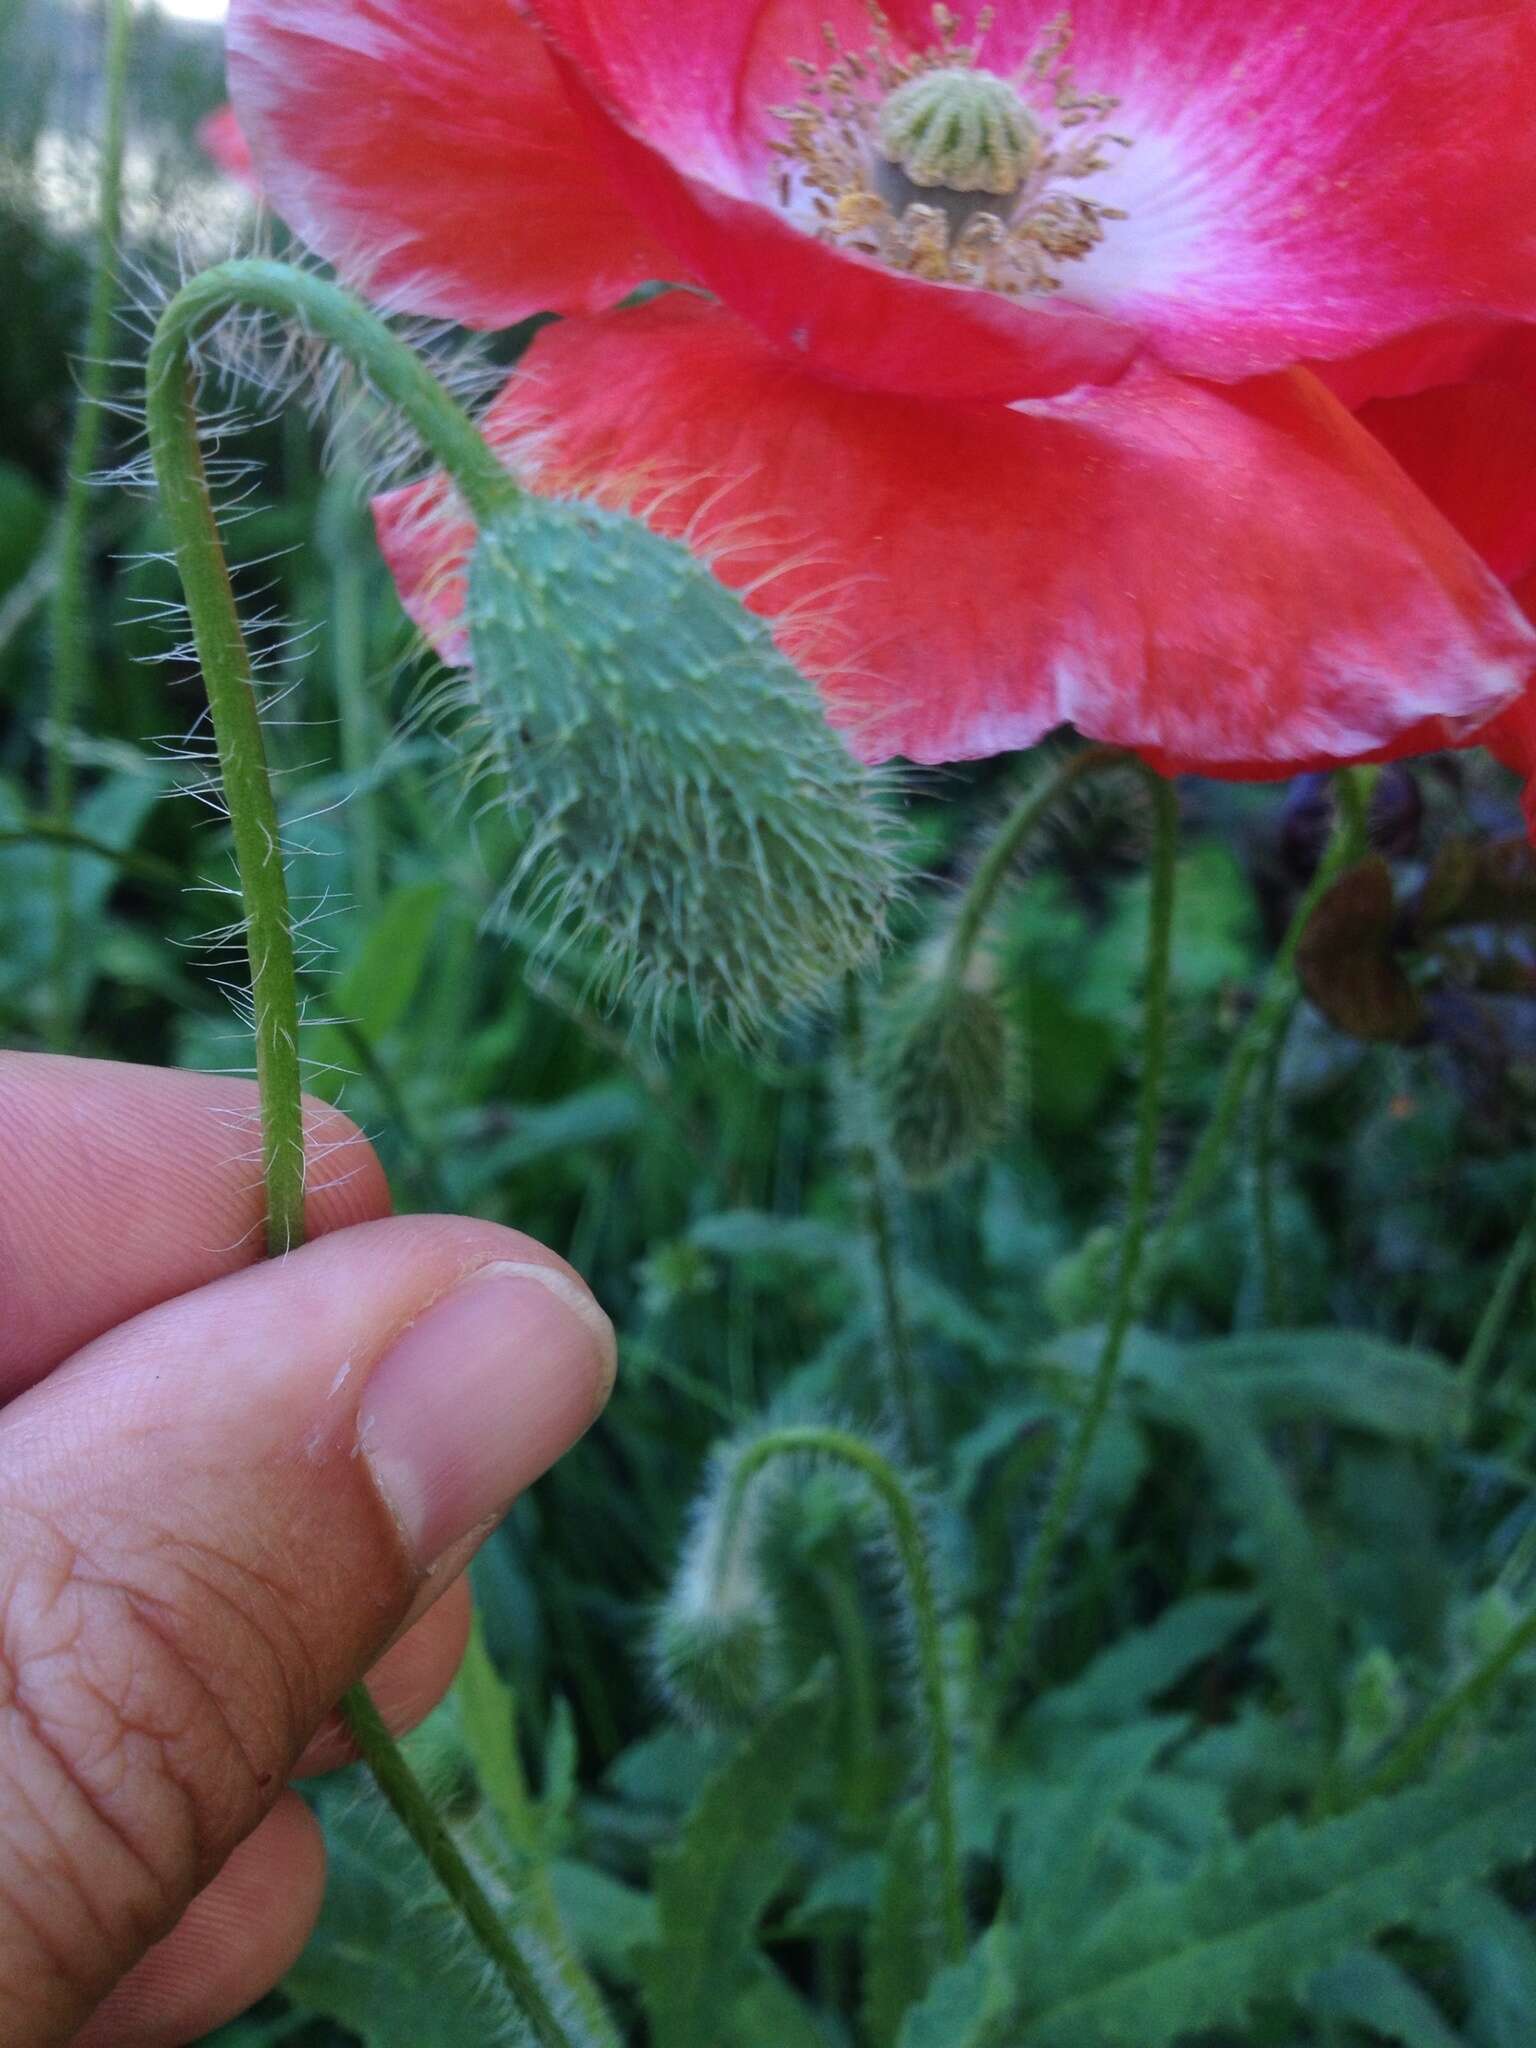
997, 384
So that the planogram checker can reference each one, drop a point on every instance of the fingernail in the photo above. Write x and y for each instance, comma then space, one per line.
479, 1396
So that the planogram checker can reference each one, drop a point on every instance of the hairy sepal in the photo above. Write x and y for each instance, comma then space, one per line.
943, 1066
694, 824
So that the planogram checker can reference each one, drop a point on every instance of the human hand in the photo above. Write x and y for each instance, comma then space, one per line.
225, 1495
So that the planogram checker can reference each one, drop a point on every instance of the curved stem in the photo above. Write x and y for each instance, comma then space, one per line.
1019, 1642
800, 1440
1036, 803
227, 674
70, 610
1205, 1161
396, 372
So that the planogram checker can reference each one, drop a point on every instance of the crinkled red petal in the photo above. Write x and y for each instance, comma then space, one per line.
1220, 576
427, 148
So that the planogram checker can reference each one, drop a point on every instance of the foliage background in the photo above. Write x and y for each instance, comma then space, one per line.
1290, 1543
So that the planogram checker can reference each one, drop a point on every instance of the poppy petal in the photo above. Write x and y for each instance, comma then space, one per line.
1305, 178
427, 148
1225, 576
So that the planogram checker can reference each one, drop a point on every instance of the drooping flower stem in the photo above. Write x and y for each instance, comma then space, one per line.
227, 672
1269, 1017
815, 1440
895, 1343
1017, 829
70, 611
1019, 1642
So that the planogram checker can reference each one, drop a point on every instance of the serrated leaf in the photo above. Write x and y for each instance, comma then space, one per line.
1372, 1991
712, 1886
390, 1959
1254, 1922
488, 1725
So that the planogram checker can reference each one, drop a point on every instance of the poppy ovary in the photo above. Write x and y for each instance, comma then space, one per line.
959, 138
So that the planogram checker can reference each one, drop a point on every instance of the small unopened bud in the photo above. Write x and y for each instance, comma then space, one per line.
715, 1665
1375, 1706
942, 1067
695, 825
1081, 1281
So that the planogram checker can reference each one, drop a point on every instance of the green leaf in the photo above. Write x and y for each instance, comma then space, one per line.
1373, 1992
771, 2014
1496, 1948
898, 1958
390, 1959
1253, 1923
1344, 1376
1126, 1678
966, 2002
713, 1885
607, 1920
488, 1725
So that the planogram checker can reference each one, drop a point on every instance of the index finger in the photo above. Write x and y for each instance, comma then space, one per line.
124, 1186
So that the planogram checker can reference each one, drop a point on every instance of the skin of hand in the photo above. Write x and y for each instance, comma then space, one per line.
229, 1488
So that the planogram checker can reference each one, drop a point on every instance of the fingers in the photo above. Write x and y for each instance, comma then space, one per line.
125, 1186
406, 1683
235, 1940
211, 1522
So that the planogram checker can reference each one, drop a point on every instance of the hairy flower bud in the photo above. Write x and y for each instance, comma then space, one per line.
715, 1664
942, 1067
695, 824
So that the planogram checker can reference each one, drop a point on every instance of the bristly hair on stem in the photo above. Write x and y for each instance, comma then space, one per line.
225, 658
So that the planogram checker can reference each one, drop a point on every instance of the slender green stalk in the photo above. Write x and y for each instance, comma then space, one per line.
1500, 1306
1274, 1004
356, 715
70, 609
427, 1829
1017, 829
226, 664
1420, 1743
896, 1349
146, 867
1267, 1089
809, 1439
1018, 1643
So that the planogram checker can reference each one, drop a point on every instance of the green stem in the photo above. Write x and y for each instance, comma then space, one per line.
227, 674
1205, 1161
146, 867
71, 609
1420, 1743
1018, 1645
997, 863
1272, 1290
813, 1440
1500, 1306
427, 1829
896, 1348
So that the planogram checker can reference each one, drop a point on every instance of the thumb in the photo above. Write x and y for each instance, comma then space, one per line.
212, 1519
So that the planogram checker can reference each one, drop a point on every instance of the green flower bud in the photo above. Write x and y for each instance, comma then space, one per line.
1081, 1281
1375, 1706
697, 828
716, 1664
942, 1066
